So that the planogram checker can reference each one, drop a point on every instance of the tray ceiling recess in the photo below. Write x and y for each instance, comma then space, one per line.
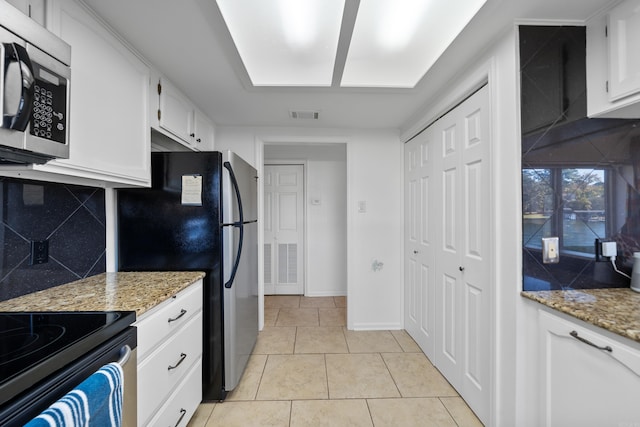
343, 43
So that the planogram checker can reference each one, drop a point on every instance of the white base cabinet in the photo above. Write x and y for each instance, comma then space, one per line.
170, 360
584, 385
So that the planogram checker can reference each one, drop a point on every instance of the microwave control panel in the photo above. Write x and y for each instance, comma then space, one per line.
48, 117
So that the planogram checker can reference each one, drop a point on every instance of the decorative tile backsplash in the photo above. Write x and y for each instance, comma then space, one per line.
580, 176
71, 219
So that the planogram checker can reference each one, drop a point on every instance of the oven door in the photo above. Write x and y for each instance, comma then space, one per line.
30, 404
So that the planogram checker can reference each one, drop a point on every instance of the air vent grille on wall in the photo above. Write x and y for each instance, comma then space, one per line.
308, 115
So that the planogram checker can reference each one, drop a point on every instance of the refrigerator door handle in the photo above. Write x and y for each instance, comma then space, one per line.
239, 224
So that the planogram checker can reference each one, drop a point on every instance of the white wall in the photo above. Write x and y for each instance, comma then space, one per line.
326, 225
512, 390
374, 175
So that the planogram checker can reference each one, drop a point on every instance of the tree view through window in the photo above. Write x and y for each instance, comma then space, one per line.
566, 202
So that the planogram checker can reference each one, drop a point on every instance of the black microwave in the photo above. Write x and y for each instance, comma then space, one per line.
34, 91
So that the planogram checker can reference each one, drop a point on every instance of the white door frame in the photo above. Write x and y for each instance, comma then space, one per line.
305, 231
260, 142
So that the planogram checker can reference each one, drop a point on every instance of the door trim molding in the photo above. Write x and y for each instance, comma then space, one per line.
260, 142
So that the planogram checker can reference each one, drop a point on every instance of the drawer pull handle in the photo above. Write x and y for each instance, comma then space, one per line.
579, 338
182, 357
182, 313
183, 412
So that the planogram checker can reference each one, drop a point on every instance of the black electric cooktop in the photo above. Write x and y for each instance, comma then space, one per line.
35, 345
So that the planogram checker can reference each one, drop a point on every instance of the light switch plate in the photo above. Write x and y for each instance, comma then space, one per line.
550, 250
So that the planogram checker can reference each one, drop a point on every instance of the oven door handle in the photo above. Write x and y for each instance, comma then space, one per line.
125, 354
21, 76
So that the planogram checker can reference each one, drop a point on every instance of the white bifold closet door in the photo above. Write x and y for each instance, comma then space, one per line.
448, 245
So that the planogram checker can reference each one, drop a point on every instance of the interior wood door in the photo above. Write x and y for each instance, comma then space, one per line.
283, 229
419, 245
463, 256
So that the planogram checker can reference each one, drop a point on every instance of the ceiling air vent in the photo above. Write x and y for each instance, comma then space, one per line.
307, 115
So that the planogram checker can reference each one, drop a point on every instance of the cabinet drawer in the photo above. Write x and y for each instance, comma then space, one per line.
587, 379
154, 326
183, 402
162, 370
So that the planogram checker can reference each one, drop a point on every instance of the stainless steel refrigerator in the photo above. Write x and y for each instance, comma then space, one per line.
200, 214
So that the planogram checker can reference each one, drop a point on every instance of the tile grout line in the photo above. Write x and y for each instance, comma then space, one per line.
264, 368
326, 375
448, 411
369, 409
395, 383
398, 342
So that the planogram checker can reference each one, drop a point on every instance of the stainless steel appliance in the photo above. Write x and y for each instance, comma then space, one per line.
45, 355
200, 214
34, 90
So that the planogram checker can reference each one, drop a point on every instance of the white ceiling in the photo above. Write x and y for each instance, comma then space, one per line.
187, 41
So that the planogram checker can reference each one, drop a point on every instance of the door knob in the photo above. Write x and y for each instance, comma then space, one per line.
461, 268
416, 252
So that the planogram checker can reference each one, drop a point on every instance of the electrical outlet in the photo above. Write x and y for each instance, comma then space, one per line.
605, 250
39, 252
550, 250
609, 249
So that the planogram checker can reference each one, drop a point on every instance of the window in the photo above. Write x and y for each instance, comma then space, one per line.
566, 202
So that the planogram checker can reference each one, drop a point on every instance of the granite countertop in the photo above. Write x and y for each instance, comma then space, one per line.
614, 309
123, 291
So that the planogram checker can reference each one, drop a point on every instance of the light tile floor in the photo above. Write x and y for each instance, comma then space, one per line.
307, 369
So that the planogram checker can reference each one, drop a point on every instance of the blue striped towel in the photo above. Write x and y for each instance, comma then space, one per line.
96, 402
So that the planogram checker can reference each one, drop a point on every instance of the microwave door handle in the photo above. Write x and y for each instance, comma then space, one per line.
14, 53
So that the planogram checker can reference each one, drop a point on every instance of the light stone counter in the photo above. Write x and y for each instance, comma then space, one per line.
616, 309
124, 291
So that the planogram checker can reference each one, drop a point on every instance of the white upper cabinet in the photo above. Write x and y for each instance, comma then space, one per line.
624, 39
178, 118
175, 113
204, 131
613, 64
34, 9
109, 133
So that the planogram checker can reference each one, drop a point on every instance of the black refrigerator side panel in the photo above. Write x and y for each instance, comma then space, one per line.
156, 232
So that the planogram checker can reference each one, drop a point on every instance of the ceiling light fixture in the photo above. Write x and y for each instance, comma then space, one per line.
298, 22
395, 42
285, 42
385, 43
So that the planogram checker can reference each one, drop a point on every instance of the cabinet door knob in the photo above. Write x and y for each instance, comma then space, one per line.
416, 252
192, 134
461, 268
